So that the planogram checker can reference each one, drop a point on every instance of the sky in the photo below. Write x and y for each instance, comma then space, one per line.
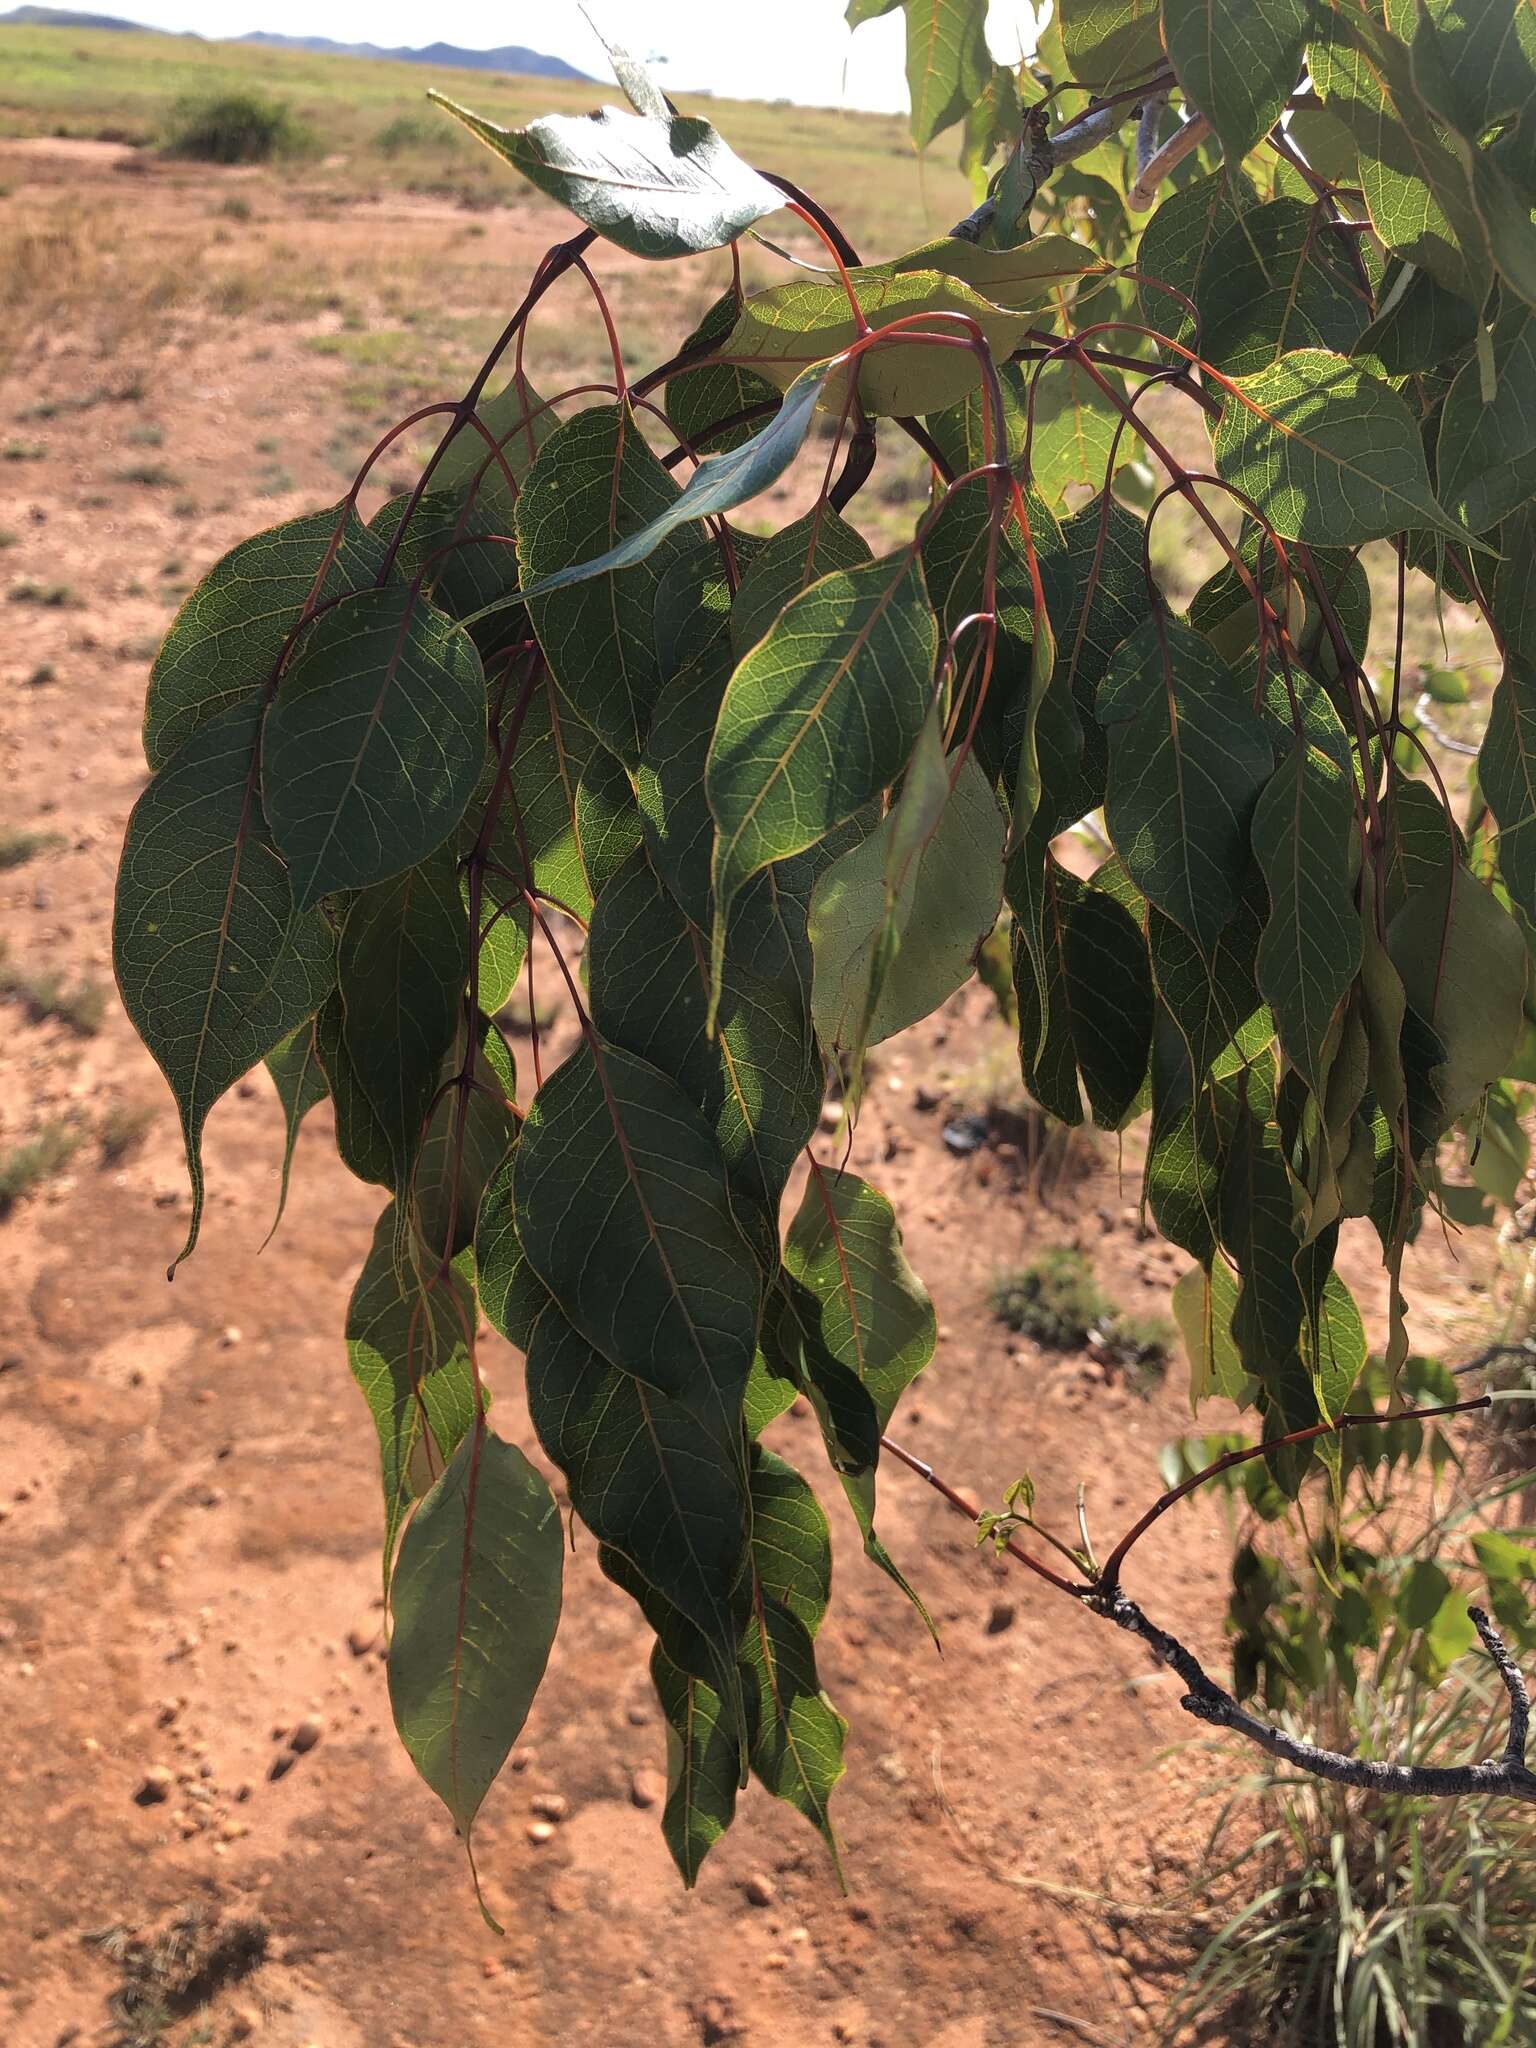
740, 49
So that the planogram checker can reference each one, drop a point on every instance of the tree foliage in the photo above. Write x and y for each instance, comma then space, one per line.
759, 802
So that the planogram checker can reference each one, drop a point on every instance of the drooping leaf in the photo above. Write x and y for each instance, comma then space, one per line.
360, 1138
1176, 244
796, 1746
1303, 840
226, 639
595, 484
702, 1765
466, 1140
1026, 279
1487, 447
868, 1327
214, 963
786, 329
1506, 774
658, 1478
374, 746
947, 62
943, 905
1420, 326
1463, 964
300, 1083
511, 1293
1203, 1301
1328, 454
818, 717
408, 1345
476, 1602
1074, 430
657, 188
1237, 61
759, 1081
669, 1290
1188, 757
400, 969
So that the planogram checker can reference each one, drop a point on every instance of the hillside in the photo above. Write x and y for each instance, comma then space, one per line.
511, 57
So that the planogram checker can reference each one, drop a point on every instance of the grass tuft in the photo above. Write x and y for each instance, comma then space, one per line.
17, 848
1057, 1301
233, 128
25, 1167
42, 996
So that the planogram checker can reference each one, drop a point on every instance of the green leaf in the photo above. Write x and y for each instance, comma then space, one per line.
668, 1289
797, 556
1028, 279
1203, 1301
1463, 964
225, 641
1486, 57
1422, 1594
1110, 43
511, 1293
466, 1140
785, 330
657, 188
408, 1345
947, 63
1506, 774
476, 1602
1328, 454
698, 399
300, 1083
1273, 284
214, 963
1238, 61
400, 969
1084, 943
1304, 840
374, 746
796, 1746
658, 1479
1259, 1231
360, 1138
595, 484
1415, 182
717, 486
868, 1325
942, 905
1421, 327
538, 827
1487, 448
1188, 757
1073, 435
818, 718
702, 1765
1176, 245
759, 1082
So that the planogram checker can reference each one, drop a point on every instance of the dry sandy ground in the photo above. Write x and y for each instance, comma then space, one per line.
190, 1503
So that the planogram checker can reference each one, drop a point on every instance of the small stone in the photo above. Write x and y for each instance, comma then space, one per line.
1000, 1617
306, 1735
539, 1832
169, 1709
164, 1561
759, 1890
229, 1337
243, 2022
231, 1830
647, 1788
363, 1635
638, 1715
776, 1959
831, 1118
926, 1099
281, 1764
520, 1759
549, 1805
155, 1786
490, 1966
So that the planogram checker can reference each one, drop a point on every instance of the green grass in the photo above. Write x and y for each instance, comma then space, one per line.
17, 848
1057, 1301
24, 1168
81, 1007
123, 1130
97, 82
53, 596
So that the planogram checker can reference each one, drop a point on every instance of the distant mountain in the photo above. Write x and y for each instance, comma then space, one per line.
62, 17
512, 58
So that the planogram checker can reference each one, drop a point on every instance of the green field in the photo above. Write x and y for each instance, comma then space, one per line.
121, 87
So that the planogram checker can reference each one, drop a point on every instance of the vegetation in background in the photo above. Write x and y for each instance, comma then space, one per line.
1057, 1301
24, 1168
233, 128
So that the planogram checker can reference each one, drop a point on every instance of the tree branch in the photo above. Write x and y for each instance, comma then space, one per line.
1507, 1776
1208, 1702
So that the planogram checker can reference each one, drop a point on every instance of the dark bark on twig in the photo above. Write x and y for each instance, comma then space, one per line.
1506, 1777
1207, 1701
